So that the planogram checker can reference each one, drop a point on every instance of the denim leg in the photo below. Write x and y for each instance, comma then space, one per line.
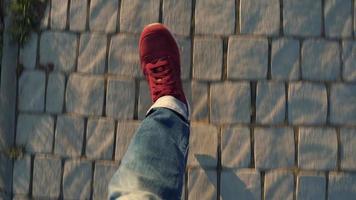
154, 164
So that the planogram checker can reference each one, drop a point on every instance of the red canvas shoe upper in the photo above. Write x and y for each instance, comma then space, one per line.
160, 62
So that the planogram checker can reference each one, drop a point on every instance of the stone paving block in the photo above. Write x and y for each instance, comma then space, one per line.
203, 145
103, 15
35, 132
59, 14
77, 179
202, 184
342, 104
135, 14
247, 58
102, 175
55, 93
123, 56
241, 183
59, 49
100, 138
20, 197
270, 102
349, 60
85, 94
177, 16
28, 52
259, 17
216, 17
302, 17
317, 148
21, 175
46, 181
320, 60
120, 99
348, 148
307, 103
5, 173
341, 186
124, 133
235, 147
207, 58
279, 184
32, 86
184, 45
285, 59
234, 107
274, 148
144, 99
78, 15
199, 101
69, 136
311, 186
92, 53
338, 18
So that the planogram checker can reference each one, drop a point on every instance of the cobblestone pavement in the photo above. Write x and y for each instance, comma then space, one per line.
272, 85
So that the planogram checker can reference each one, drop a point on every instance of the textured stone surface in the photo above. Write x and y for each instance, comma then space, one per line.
234, 107
311, 186
307, 103
35, 133
85, 94
28, 52
342, 104
92, 53
32, 91
55, 92
317, 148
247, 58
349, 60
21, 175
338, 18
302, 17
184, 45
177, 15
274, 148
102, 174
135, 14
202, 184
144, 99
69, 136
103, 15
235, 147
78, 15
207, 58
45, 19
5, 173
320, 60
199, 102
279, 185
59, 14
120, 99
341, 186
348, 148
124, 133
215, 17
259, 17
77, 179
285, 59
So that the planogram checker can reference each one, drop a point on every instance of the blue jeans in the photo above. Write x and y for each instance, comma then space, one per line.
154, 164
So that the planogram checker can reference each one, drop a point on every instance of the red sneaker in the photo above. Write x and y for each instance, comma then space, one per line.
160, 62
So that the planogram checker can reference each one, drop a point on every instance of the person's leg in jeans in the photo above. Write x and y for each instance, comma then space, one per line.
154, 164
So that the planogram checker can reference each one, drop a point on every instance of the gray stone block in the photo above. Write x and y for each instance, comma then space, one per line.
338, 18
274, 148
307, 103
21, 175
100, 138
102, 175
317, 148
32, 86
207, 58
311, 186
78, 15
92, 53
279, 184
35, 132
85, 94
177, 16
135, 14
144, 99
203, 145
77, 179
216, 17
259, 17
202, 184
285, 59
120, 99
69, 136
124, 134
184, 45
341, 186
28, 53
302, 17
55, 93
270, 102
46, 177
235, 147
5, 173
103, 15
349, 60
59, 49
234, 107
199, 101
320, 60
342, 104
348, 148
59, 14
247, 58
